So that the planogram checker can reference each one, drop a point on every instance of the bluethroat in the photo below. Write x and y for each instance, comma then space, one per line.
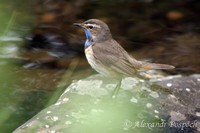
107, 57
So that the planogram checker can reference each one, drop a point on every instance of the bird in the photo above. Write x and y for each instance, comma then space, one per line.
107, 56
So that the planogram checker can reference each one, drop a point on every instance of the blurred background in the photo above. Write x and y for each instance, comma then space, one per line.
41, 52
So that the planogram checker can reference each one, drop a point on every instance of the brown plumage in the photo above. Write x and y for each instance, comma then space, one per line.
105, 54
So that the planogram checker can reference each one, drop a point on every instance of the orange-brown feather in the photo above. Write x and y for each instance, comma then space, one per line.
149, 66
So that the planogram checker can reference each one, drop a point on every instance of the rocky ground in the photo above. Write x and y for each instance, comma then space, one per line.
170, 104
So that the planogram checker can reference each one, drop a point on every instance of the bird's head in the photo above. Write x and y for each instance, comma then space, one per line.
95, 30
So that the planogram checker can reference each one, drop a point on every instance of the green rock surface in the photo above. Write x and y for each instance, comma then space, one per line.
140, 106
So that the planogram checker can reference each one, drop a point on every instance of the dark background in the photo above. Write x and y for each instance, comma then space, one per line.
159, 31
39, 45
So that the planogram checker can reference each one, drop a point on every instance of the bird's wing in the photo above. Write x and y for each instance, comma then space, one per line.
110, 54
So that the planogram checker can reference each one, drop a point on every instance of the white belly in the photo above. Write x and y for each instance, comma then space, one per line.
94, 63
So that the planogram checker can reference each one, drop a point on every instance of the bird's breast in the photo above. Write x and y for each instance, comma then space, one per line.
90, 57
95, 63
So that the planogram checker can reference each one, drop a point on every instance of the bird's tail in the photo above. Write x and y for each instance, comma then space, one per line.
150, 66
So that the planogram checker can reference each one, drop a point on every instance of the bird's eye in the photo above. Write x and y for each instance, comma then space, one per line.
90, 27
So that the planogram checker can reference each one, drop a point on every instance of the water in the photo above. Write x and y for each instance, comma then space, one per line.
23, 92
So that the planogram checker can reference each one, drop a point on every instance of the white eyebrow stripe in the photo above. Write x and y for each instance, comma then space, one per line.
94, 25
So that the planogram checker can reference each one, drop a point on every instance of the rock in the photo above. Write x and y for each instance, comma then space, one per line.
169, 104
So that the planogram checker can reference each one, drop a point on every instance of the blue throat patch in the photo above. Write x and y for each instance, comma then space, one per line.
89, 38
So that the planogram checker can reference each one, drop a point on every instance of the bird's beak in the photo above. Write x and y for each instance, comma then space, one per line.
79, 25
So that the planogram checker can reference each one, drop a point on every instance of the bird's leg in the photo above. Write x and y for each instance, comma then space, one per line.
117, 88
